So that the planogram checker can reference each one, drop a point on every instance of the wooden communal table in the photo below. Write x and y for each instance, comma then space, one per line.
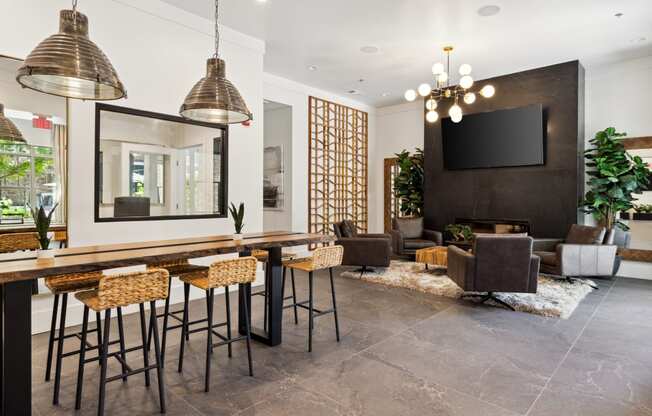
18, 270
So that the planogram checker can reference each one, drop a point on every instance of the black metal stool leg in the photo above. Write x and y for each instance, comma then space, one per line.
53, 326
82, 357
157, 351
184, 324
103, 357
143, 333
294, 298
123, 353
337, 323
209, 339
98, 329
247, 325
310, 311
62, 330
228, 318
166, 313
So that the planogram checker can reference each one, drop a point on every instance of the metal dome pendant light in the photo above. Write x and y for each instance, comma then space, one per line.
69, 64
8, 130
214, 99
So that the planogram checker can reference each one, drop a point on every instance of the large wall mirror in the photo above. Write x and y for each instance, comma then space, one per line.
33, 172
151, 166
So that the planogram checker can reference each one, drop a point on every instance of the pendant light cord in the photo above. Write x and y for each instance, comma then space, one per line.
74, 12
217, 29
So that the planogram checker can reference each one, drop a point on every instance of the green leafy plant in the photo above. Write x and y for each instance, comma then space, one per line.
5, 203
238, 217
42, 222
615, 176
408, 184
643, 208
460, 232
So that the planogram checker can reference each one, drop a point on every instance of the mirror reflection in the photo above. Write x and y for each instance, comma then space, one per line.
155, 166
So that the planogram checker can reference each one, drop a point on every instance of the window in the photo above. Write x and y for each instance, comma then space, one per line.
147, 176
27, 178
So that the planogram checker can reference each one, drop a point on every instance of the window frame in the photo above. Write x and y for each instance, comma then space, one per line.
99, 107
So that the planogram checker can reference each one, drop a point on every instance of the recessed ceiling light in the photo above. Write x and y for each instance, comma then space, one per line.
261, 1
354, 92
312, 68
619, 14
488, 10
370, 49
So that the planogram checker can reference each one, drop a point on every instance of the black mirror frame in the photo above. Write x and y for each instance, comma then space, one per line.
99, 107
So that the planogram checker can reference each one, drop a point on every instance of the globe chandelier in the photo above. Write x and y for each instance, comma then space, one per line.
444, 90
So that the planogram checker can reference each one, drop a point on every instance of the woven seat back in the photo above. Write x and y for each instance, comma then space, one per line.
326, 257
132, 288
233, 271
10, 243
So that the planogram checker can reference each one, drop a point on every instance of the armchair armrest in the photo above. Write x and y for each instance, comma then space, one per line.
546, 244
435, 236
461, 265
586, 259
374, 235
397, 241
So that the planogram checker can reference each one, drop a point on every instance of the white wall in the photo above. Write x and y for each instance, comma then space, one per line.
159, 52
296, 95
278, 132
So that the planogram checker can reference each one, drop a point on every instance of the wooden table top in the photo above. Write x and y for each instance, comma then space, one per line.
24, 266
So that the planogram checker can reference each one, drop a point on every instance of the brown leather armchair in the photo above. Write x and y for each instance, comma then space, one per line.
582, 254
499, 263
365, 250
408, 236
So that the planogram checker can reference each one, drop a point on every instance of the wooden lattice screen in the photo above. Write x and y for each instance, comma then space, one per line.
391, 205
338, 166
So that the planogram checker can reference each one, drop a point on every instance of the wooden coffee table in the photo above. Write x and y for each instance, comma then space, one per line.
436, 256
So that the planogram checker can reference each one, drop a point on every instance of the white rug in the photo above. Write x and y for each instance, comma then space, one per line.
554, 297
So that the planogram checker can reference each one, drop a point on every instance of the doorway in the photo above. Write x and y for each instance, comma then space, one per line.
277, 167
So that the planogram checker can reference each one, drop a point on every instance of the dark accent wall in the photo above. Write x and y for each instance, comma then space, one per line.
546, 195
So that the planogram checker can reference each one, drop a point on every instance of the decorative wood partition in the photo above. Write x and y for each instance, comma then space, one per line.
391, 206
337, 182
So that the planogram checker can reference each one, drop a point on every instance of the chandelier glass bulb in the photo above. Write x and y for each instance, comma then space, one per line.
442, 78
455, 113
437, 68
431, 104
424, 89
469, 98
465, 69
466, 82
410, 95
488, 91
432, 116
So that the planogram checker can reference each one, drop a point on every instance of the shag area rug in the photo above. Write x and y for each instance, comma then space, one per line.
554, 297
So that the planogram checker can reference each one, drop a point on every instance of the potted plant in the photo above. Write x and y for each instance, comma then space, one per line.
42, 224
408, 184
460, 232
614, 177
643, 212
238, 217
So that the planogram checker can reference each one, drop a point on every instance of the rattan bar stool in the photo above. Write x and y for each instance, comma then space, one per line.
262, 256
220, 274
115, 292
175, 268
10, 243
322, 258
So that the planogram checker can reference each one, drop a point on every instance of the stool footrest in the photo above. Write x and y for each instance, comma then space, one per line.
131, 373
229, 341
316, 312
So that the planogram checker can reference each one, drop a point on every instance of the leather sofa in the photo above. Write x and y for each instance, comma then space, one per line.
409, 235
365, 250
499, 263
582, 253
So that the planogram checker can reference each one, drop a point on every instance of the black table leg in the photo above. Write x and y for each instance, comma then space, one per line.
274, 275
16, 348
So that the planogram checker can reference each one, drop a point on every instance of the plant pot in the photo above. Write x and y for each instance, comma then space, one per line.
238, 236
643, 216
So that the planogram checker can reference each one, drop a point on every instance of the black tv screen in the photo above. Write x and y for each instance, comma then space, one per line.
502, 138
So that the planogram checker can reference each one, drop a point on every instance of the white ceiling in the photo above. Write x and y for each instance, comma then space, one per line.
410, 33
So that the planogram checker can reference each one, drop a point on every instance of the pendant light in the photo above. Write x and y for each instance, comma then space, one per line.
69, 64
8, 130
214, 99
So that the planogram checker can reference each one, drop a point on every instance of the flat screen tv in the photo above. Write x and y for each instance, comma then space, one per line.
514, 137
